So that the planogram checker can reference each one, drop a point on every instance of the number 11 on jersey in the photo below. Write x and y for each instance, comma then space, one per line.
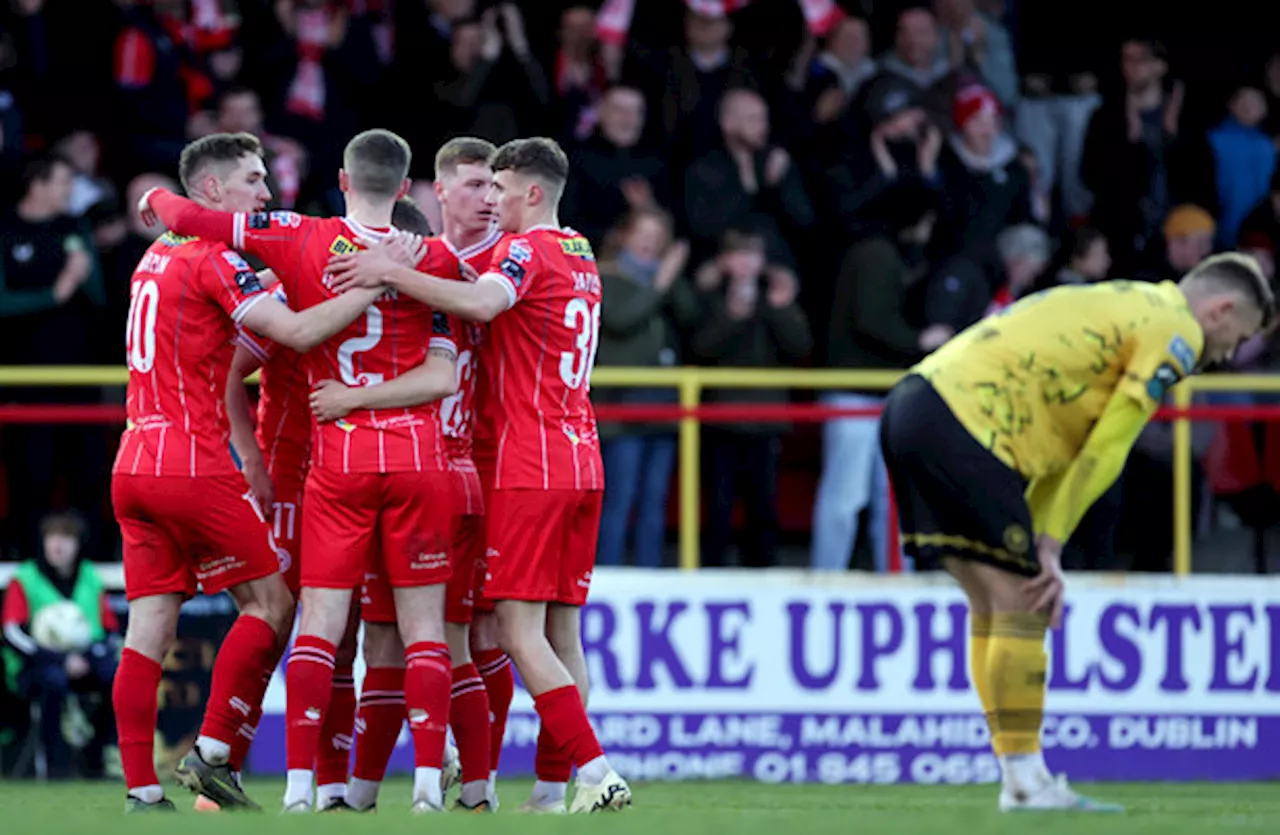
583, 318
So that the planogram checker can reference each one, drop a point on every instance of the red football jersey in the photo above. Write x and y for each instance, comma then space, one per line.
458, 411
186, 298
543, 349
284, 406
392, 337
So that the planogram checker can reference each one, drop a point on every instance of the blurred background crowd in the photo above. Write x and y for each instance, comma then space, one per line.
773, 183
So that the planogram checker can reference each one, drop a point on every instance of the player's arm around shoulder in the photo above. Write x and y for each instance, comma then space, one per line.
384, 262
305, 329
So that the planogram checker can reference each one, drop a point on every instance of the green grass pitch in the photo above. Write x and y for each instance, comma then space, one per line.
728, 808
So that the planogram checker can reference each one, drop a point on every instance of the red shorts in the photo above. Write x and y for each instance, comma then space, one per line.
542, 544
185, 534
355, 523
483, 604
466, 562
286, 527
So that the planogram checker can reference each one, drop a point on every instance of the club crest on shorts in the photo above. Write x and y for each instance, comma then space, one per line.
1016, 540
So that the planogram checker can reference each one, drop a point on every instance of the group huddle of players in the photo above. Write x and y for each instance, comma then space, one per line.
423, 437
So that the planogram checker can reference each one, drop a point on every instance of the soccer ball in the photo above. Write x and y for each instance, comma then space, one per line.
61, 627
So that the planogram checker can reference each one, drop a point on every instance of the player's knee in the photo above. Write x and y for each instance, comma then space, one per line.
995, 590
382, 646
484, 632
153, 624
458, 637
270, 600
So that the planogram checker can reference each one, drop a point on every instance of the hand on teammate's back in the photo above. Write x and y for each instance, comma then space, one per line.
331, 400
363, 269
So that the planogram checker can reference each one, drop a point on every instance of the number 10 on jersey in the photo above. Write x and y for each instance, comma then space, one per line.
583, 318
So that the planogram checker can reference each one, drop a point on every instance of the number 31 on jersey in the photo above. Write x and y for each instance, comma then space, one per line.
583, 318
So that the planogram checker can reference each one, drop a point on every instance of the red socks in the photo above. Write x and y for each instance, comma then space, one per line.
564, 718
334, 757
426, 697
238, 687
469, 716
134, 697
550, 765
308, 686
381, 717
499, 683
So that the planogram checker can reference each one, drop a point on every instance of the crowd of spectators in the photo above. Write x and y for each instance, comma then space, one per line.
766, 184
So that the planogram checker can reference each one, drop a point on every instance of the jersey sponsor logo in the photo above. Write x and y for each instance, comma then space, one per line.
440, 324
520, 251
237, 263
171, 239
1165, 378
512, 270
579, 247
1182, 351
342, 246
247, 281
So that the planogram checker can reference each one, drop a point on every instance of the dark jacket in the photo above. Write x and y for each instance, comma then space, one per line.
769, 338
641, 327
869, 327
715, 202
593, 200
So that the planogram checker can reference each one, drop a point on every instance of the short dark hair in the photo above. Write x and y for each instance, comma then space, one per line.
464, 150
407, 216
40, 169
67, 523
538, 156
1241, 273
214, 149
743, 240
377, 161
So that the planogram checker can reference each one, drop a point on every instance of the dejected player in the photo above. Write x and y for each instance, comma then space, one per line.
378, 492
999, 442
542, 297
185, 515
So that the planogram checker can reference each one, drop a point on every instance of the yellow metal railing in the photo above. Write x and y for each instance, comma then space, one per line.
690, 382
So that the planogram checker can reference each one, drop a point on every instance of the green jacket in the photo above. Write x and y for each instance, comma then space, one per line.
869, 327
40, 593
640, 327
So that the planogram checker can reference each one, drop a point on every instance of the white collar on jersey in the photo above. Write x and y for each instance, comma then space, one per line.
363, 231
479, 246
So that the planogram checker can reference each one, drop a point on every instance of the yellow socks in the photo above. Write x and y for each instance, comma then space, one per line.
979, 642
1015, 682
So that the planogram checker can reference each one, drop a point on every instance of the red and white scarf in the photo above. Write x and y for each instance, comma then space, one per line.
307, 92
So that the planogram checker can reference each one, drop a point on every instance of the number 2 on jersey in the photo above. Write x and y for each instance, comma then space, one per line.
140, 326
584, 318
357, 344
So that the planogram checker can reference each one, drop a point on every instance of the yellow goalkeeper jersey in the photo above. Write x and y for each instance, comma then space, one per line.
1030, 382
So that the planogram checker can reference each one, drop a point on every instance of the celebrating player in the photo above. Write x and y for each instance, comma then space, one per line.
378, 492
1000, 441
543, 299
184, 514
462, 182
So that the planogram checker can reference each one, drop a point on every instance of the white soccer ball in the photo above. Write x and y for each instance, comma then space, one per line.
61, 627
